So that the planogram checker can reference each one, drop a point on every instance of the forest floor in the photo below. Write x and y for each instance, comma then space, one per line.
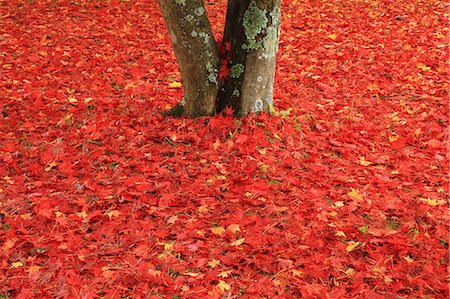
342, 194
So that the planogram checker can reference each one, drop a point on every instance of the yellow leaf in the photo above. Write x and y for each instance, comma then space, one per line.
264, 167
339, 204
363, 161
423, 67
59, 214
350, 272
408, 259
174, 84
214, 263
277, 136
72, 99
261, 150
163, 255
332, 36
439, 35
113, 213
296, 272
26, 216
68, 117
224, 274
87, 100
393, 138
82, 214
352, 245
169, 246
217, 230
16, 264
238, 242
223, 286
8, 179
234, 228
380, 270
340, 233
281, 209
271, 108
432, 202
285, 113
355, 195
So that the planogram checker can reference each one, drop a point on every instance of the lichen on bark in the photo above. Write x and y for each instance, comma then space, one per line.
236, 70
254, 22
270, 42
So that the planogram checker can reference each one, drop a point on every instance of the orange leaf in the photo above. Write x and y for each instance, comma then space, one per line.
218, 230
355, 195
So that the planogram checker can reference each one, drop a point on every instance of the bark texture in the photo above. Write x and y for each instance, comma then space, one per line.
253, 28
196, 52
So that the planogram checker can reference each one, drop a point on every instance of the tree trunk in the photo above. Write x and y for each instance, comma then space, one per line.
196, 52
253, 30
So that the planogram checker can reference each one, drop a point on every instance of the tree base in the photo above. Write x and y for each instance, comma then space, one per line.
176, 111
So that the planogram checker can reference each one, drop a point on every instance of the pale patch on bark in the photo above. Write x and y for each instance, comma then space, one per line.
173, 37
199, 11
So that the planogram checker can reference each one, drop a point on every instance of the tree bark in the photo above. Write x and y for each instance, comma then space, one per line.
253, 28
196, 52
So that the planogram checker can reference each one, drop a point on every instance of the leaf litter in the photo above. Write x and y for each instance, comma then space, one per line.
341, 193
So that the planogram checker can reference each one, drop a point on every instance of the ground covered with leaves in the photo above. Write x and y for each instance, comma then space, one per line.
341, 194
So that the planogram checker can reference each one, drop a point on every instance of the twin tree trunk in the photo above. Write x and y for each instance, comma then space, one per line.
252, 29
